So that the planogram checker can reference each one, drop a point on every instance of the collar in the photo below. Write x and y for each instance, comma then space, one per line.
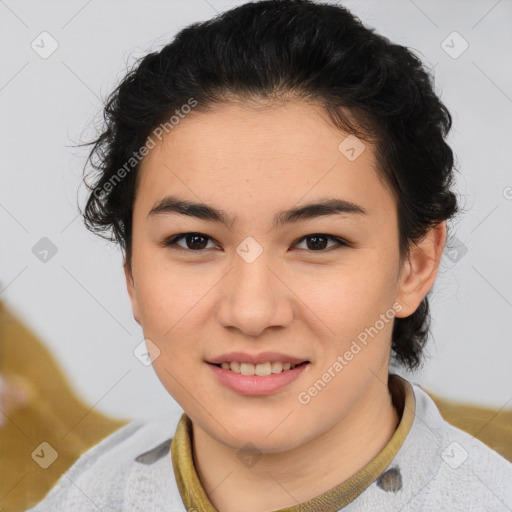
194, 496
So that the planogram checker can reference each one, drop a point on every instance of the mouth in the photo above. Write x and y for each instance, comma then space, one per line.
260, 378
261, 369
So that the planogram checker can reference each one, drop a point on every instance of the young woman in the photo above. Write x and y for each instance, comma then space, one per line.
279, 182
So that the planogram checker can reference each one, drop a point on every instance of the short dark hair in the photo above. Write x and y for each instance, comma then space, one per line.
273, 50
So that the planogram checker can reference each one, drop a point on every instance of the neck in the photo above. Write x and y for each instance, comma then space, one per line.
283, 479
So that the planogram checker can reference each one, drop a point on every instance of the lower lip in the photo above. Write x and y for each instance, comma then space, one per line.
254, 385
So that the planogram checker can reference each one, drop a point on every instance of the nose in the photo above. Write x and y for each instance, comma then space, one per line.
254, 298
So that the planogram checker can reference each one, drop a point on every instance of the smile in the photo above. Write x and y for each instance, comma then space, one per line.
257, 379
261, 369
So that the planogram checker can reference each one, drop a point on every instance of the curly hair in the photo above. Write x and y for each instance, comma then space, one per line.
273, 49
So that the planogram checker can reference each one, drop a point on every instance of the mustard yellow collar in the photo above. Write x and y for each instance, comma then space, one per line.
194, 496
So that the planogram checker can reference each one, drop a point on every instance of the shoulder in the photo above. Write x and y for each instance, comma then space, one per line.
439, 467
426, 412
464, 471
102, 477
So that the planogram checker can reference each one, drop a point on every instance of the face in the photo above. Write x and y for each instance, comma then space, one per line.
250, 285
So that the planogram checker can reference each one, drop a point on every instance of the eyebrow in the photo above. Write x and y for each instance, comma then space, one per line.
330, 206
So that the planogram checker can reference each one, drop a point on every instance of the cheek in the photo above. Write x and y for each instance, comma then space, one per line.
350, 298
167, 293
175, 304
171, 313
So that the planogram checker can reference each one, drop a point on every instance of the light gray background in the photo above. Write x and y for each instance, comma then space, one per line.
77, 300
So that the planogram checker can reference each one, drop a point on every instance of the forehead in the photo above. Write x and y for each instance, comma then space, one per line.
282, 151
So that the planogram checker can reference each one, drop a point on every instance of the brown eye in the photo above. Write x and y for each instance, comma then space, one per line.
193, 242
318, 242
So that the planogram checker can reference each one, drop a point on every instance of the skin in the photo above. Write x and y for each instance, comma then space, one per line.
293, 298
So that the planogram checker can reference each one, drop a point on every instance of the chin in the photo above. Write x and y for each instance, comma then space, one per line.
269, 434
274, 443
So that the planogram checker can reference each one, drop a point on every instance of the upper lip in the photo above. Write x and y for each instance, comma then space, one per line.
262, 357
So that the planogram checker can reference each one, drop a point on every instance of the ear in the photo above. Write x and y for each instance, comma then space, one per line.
419, 271
132, 293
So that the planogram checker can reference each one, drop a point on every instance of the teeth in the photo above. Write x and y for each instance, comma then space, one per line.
247, 369
276, 367
261, 369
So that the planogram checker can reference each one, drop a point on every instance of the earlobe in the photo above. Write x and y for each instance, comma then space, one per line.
130, 286
420, 270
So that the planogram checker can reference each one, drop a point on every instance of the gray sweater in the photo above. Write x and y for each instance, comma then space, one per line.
438, 468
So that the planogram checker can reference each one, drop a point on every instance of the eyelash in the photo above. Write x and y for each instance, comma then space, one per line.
172, 241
